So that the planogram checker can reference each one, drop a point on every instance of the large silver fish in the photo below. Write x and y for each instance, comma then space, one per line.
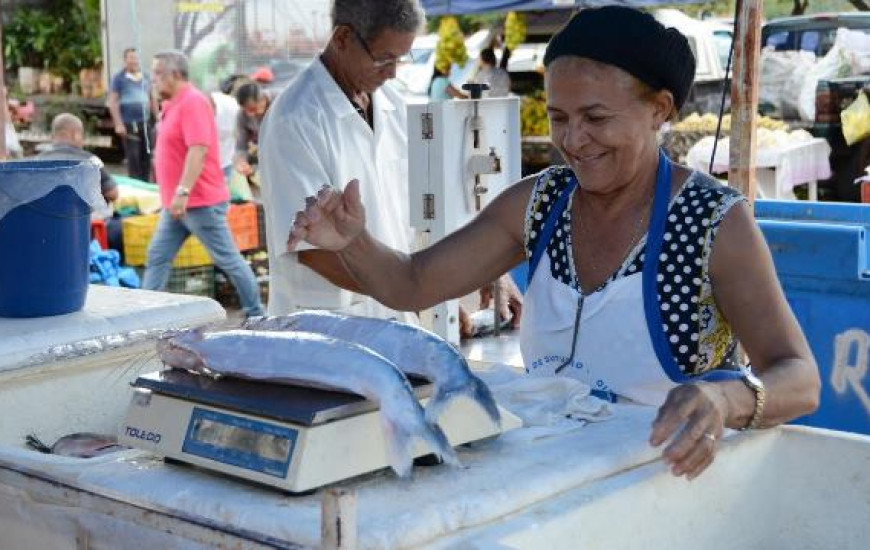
413, 349
315, 360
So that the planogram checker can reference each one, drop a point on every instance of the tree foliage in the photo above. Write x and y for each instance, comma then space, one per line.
62, 37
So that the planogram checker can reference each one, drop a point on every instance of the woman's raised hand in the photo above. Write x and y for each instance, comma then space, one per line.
331, 220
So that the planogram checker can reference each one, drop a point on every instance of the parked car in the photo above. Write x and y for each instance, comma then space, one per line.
706, 94
723, 36
814, 33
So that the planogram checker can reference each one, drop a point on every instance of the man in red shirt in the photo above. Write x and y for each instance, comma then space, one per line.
193, 192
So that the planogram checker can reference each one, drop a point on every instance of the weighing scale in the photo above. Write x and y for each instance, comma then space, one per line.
293, 438
461, 153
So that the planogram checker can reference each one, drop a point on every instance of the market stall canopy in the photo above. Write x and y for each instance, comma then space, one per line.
442, 7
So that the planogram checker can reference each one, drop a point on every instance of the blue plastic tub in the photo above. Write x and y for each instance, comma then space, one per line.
821, 253
44, 242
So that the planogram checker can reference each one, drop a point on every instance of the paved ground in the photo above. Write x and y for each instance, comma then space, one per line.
234, 316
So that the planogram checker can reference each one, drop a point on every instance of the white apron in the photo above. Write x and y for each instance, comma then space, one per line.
615, 352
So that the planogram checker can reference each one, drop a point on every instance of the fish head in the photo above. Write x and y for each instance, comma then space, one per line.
177, 348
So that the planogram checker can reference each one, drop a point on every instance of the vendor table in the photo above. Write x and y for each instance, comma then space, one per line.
778, 169
567, 484
111, 317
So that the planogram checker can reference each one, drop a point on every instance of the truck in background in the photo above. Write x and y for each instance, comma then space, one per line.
710, 43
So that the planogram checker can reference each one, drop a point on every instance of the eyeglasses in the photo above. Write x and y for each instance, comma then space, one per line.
378, 63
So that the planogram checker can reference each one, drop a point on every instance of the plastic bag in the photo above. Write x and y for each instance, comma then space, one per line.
856, 119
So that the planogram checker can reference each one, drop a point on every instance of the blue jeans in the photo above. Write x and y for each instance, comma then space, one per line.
209, 224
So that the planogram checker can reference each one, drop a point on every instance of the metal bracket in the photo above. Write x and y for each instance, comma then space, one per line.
428, 206
427, 125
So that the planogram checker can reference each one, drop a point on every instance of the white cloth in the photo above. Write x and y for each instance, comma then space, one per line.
794, 162
226, 110
614, 351
545, 400
13, 146
312, 136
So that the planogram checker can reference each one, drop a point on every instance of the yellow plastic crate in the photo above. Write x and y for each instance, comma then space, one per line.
137, 231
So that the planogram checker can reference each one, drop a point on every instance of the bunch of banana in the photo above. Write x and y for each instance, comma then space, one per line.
771, 123
451, 45
705, 124
514, 30
533, 115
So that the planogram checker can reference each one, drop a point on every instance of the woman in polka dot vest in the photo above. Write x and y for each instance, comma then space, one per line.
643, 275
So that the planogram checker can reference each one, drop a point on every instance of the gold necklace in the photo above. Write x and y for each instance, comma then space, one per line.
636, 235
581, 296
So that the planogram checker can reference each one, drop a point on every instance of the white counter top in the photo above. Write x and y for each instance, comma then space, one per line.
109, 312
502, 477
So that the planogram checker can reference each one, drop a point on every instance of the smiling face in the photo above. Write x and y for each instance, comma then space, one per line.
604, 122
367, 63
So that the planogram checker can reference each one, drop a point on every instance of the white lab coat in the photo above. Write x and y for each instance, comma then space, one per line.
226, 113
312, 136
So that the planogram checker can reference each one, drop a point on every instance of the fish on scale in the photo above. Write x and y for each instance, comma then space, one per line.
314, 360
413, 349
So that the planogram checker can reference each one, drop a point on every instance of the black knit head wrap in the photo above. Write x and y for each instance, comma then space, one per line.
633, 41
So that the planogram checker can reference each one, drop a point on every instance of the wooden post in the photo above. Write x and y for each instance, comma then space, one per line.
3, 105
744, 97
338, 527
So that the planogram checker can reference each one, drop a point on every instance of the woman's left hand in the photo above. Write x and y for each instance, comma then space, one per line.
694, 415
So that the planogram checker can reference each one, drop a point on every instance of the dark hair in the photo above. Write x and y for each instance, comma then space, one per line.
128, 50
232, 83
249, 91
487, 55
657, 56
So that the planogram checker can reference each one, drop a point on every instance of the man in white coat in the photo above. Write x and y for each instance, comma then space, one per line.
340, 120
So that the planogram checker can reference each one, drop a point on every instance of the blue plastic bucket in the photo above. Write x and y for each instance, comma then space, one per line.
44, 242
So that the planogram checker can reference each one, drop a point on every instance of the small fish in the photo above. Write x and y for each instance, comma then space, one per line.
79, 445
314, 360
413, 349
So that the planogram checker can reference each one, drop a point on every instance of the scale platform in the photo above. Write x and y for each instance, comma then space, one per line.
293, 438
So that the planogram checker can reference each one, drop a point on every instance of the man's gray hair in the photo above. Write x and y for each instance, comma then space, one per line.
174, 60
66, 122
370, 17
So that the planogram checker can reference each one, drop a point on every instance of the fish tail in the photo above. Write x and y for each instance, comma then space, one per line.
399, 440
474, 388
439, 444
